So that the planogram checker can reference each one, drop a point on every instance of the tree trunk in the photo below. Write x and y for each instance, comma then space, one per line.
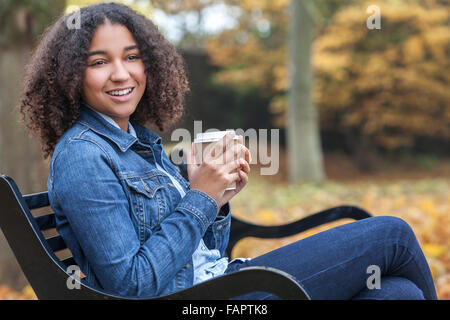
303, 137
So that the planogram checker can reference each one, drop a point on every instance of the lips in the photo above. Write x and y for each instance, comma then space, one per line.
119, 89
122, 98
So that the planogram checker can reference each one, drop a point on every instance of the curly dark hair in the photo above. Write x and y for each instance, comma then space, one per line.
52, 95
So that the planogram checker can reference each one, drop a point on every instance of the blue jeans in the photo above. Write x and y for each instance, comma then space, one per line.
334, 264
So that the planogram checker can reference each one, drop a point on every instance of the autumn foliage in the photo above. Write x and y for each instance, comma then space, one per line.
388, 85
423, 202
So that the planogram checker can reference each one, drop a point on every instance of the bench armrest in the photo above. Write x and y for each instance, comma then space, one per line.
241, 229
246, 280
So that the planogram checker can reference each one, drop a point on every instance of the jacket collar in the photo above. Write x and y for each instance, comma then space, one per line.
122, 139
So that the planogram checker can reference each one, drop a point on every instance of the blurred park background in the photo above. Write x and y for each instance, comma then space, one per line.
359, 92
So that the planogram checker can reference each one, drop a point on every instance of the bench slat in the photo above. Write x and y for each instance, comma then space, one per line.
56, 243
46, 222
69, 261
37, 200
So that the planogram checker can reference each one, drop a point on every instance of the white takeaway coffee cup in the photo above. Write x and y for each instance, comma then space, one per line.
204, 139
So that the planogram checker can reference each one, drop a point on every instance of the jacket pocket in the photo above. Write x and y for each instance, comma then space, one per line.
148, 201
147, 189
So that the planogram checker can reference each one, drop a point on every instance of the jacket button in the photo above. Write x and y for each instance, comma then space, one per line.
187, 265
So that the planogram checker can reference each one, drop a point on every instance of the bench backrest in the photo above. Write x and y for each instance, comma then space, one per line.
39, 249
29, 226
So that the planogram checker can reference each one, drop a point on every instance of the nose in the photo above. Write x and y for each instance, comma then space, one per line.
120, 72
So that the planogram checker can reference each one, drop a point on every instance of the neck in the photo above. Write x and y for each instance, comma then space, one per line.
123, 124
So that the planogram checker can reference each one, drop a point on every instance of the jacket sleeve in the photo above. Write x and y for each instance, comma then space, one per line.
218, 233
90, 195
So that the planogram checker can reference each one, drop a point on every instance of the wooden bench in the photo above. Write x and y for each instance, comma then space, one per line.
29, 227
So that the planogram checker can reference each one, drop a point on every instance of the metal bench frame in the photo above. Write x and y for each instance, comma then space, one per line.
48, 275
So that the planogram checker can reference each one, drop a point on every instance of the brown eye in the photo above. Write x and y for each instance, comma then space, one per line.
97, 63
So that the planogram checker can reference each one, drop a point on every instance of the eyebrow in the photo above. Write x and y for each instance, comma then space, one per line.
92, 53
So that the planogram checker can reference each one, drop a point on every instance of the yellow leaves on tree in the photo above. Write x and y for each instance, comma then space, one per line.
253, 54
397, 77
389, 84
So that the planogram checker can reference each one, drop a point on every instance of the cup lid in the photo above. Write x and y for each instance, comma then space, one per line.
212, 136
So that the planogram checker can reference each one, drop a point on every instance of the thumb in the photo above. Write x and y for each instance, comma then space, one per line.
191, 166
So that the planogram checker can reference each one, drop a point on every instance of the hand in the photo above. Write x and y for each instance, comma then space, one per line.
216, 171
240, 184
243, 172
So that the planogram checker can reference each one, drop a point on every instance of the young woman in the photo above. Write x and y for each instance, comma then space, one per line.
134, 225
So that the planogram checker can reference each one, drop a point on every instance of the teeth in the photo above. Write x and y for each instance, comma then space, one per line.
120, 93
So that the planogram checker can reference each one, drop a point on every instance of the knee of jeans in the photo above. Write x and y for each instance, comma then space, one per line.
392, 288
396, 224
401, 289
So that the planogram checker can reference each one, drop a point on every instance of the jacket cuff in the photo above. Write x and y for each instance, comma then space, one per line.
224, 210
201, 205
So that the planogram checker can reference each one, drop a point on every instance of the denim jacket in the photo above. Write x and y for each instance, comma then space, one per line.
125, 223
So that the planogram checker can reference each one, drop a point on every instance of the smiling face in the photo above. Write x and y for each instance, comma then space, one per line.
115, 79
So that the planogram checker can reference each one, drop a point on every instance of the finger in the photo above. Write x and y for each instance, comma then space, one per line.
244, 177
245, 166
242, 182
207, 151
232, 166
235, 152
246, 152
233, 177
235, 166
248, 156
241, 140
191, 165
223, 144
191, 155
238, 164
